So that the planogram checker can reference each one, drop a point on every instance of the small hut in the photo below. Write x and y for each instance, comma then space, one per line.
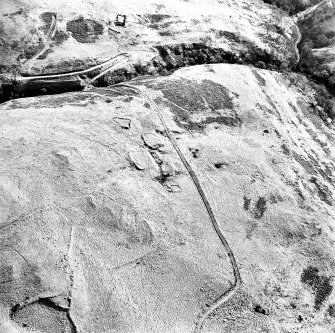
120, 20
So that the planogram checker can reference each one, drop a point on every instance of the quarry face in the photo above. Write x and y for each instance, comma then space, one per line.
171, 172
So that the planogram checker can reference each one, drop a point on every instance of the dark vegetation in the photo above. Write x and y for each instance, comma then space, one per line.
324, 98
47, 19
219, 165
320, 285
85, 30
187, 98
229, 35
176, 56
21, 47
246, 203
13, 90
199, 53
331, 310
44, 54
26, 51
313, 36
260, 208
6, 91
323, 81
259, 309
323, 191
19, 12
31, 50
60, 37
156, 20
292, 6
171, 57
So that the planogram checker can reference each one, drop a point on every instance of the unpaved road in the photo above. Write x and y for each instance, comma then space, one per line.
113, 64
237, 276
114, 61
50, 34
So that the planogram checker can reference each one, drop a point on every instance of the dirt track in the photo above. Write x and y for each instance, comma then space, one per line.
237, 277
51, 32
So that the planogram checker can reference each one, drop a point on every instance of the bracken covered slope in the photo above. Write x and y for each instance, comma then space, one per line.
102, 229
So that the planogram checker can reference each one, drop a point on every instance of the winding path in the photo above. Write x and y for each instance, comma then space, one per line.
106, 66
109, 63
50, 34
237, 276
112, 64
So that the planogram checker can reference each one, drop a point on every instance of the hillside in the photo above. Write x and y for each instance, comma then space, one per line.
121, 148
85, 34
318, 42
